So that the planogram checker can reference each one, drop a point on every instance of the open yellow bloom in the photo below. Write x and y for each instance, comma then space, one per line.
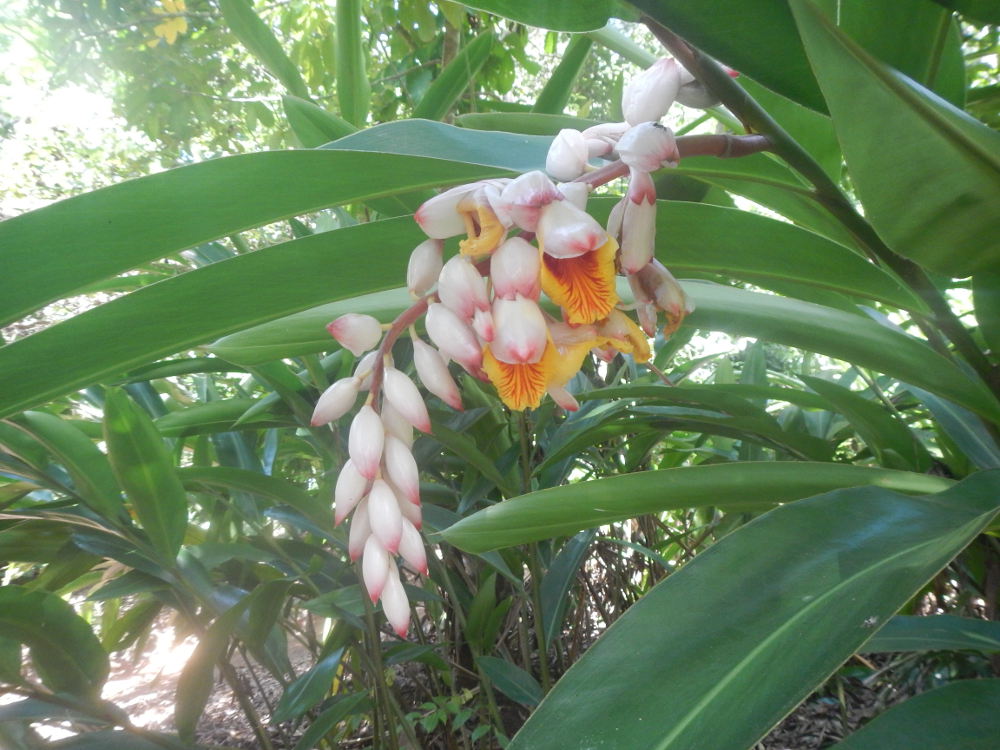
583, 286
171, 27
618, 330
484, 230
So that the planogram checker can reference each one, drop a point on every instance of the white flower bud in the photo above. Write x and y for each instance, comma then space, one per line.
564, 231
395, 604
648, 96
406, 398
350, 489
411, 513
366, 365
567, 156
462, 288
384, 515
523, 199
359, 531
356, 333
433, 370
453, 337
515, 268
411, 548
647, 147
521, 331
365, 441
335, 401
424, 266
374, 567
402, 469
395, 424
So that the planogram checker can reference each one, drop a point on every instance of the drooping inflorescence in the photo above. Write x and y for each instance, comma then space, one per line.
524, 239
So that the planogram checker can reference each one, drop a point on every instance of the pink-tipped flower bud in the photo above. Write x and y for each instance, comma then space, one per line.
356, 333
563, 397
439, 216
411, 548
374, 567
406, 399
411, 513
365, 368
395, 604
424, 267
395, 424
523, 199
351, 487
365, 441
433, 372
384, 515
336, 401
462, 288
601, 139
515, 268
521, 331
649, 95
564, 231
454, 337
638, 233
359, 532
402, 469
567, 156
648, 146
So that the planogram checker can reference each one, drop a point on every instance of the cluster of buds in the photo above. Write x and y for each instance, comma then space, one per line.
484, 311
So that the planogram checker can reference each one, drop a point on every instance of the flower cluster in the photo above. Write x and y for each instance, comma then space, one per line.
484, 310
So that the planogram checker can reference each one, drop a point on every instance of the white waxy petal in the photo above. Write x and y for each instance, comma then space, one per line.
406, 399
648, 146
402, 469
615, 219
576, 193
374, 567
439, 216
483, 325
564, 231
453, 337
384, 515
395, 424
648, 96
515, 268
411, 548
412, 513
351, 487
336, 401
521, 331
359, 531
523, 199
424, 267
366, 365
355, 332
365, 441
395, 604
433, 372
563, 397
638, 236
602, 138
567, 156
462, 288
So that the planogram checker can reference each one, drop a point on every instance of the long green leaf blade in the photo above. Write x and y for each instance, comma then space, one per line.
454, 79
775, 624
555, 93
936, 633
559, 511
353, 90
262, 44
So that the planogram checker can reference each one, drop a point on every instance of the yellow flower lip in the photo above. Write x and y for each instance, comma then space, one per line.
583, 286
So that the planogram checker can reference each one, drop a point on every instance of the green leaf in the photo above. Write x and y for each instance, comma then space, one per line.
936, 633
260, 41
312, 124
559, 511
343, 706
529, 123
468, 452
892, 442
558, 582
511, 680
578, 15
55, 250
917, 140
92, 477
64, 650
210, 416
836, 334
986, 295
555, 93
309, 689
111, 739
353, 90
775, 624
963, 427
959, 715
984, 11
454, 79
145, 470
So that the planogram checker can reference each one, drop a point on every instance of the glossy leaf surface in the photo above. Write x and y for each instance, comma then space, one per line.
936, 633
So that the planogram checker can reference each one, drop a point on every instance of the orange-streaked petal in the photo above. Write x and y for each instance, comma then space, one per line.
520, 386
484, 229
583, 286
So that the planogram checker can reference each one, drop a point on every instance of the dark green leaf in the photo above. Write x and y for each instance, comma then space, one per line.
558, 582
775, 625
262, 44
555, 93
343, 706
353, 90
145, 470
562, 15
936, 633
528, 123
511, 680
454, 79
309, 689
312, 124
960, 715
